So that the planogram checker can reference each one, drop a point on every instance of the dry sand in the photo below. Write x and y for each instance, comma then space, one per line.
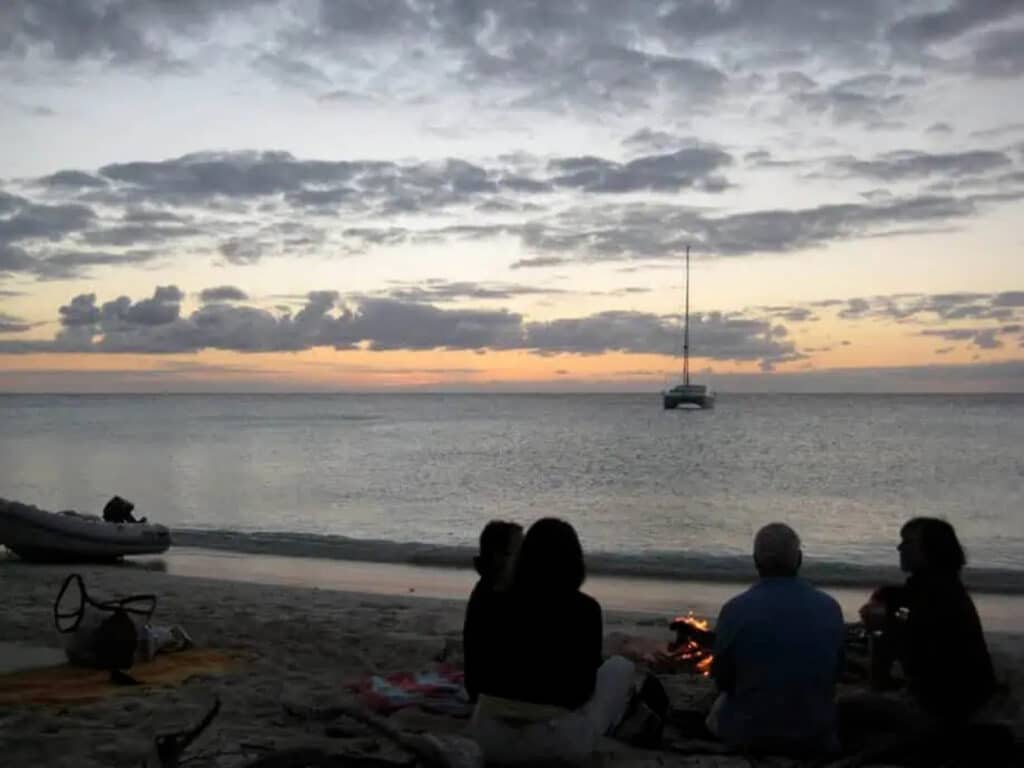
301, 645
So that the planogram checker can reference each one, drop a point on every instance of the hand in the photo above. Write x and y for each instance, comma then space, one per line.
873, 614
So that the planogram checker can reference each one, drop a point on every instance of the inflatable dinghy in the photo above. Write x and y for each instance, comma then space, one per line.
35, 534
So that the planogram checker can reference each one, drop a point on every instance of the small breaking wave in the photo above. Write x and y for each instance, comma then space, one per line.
671, 566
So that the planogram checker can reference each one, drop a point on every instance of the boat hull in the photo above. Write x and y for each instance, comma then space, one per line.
672, 400
38, 535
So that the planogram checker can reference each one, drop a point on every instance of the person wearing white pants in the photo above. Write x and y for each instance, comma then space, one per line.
546, 693
515, 732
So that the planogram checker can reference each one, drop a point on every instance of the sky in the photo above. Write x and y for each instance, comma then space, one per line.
497, 195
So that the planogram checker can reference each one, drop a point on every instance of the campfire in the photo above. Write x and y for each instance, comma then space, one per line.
693, 643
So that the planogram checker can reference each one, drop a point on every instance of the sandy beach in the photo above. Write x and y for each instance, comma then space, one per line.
293, 645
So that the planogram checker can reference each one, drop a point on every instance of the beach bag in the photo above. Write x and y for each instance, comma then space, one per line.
644, 721
103, 634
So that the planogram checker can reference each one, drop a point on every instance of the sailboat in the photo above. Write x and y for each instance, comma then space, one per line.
687, 393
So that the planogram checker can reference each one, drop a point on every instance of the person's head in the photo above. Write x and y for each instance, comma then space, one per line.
119, 506
499, 545
929, 544
551, 558
777, 551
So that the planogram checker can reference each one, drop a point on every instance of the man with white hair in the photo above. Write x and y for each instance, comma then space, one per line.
778, 653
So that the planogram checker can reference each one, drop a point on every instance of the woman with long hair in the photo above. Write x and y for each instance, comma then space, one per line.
549, 696
931, 627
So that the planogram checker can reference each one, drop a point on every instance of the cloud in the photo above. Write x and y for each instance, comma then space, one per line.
247, 206
940, 128
11, 324
390, 324
135, 215
871, 100
61, 265
685, 168
791, 314
982, 338
911, 164
291, 71
117, 32
222, 293
540, 261
120, 315
239, 250
14, 259
549, 58
1009, 299
355, 186
998, 131
156, 326
997, 307
27, 220
650, 141
1000, 54
630, 231
960, 17
139, 234
715, 335
442, 291
594, 55
28, 229
72, 180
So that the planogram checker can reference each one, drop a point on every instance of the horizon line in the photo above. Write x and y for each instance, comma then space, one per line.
386, 392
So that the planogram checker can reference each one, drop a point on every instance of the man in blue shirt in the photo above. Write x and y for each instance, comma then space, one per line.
778, 652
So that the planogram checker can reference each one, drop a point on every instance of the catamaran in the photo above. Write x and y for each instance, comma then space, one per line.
686, 393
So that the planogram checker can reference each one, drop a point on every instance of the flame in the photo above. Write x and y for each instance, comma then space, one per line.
693, 621
690, 650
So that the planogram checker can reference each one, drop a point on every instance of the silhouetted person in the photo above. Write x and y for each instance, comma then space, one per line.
931, 627
550, 697
119, 510
499, 545
778, 653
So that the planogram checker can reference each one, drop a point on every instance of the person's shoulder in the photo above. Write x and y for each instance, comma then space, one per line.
480, 591
737, 603
587, 604
825, 602
483, 596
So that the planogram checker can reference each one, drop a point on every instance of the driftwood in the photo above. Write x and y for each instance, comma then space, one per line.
685, 631
432, 750
169, 747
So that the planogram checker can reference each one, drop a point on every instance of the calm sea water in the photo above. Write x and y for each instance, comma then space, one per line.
636, 481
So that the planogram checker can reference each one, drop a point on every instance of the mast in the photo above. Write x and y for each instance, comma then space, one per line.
686, 326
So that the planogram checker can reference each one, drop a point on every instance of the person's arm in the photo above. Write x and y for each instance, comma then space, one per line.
581, 672
472, 638
841, 642
723, 666
596, 649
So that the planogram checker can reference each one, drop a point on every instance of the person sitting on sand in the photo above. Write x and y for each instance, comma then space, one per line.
499, 545
931, 627
119, 510
549, 696
777, 658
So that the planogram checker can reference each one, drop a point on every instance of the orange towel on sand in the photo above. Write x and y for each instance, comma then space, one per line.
72, 685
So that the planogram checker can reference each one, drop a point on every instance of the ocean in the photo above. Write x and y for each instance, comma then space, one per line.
413, 478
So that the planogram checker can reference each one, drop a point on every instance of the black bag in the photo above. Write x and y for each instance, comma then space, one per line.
115, 640
644, 721
111, 644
